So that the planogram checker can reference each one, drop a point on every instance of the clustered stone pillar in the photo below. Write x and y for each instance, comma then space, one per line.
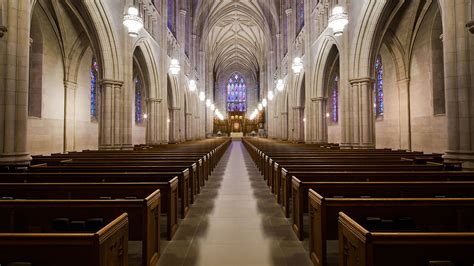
457, 40
153, 121
284, 126
189, 126
361, 111
14, 70
404, 110
175, 130
69, 115
110, 115
298, 124
320, 120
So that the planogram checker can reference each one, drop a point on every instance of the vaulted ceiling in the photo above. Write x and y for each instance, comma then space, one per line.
236, 34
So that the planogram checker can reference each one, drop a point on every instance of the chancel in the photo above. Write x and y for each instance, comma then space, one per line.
236, 132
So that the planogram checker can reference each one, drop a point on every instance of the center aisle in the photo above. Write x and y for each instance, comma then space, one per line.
235, 221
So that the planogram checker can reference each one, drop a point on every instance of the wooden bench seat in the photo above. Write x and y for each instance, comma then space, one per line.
140, 190
143, 214
177, 165
427, 213
202, 167
104, 247
361, 246
122, 173
409, 189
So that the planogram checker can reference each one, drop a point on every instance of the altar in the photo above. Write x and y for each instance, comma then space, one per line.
236, 135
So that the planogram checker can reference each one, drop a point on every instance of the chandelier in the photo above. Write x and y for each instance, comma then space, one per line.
297, 65
338, 20
133, 21
174, 67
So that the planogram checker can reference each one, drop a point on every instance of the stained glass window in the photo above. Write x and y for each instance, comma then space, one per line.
334, 99
94, 73
378, 88
171, 15
236, 94
299, 15
138, 100
285, 33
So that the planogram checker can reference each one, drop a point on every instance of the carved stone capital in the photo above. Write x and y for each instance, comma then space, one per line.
470, 26
357, 81
3, 29
111, 82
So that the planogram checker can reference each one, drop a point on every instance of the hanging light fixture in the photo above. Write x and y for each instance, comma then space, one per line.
174, 67
280, 85
260, 107
202, 96
192, 85
338, 20
213, 107
297, 65
270, 95
145, 116
133, 21
264, 102
208, 103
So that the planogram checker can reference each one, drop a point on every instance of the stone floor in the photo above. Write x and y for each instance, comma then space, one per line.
235, 221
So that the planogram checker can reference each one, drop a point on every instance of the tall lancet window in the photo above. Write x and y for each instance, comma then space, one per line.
334, 99
299, 15
137, 81
378, 88
172, 16
94, 73
236, 94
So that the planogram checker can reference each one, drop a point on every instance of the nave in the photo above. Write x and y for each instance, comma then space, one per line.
235, 221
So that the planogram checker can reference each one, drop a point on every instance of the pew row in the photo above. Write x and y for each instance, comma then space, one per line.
361, 246
143, 214
74, 191
363, 176
408, 189
117, 173
428, 214
104, 247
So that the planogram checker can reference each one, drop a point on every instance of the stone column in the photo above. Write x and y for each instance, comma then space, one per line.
284, 126
320, 120
298, 124
458, 56
153, 121
110, 116
362, 113
69, 116
404, 114
14, 61
189, 127
174, 125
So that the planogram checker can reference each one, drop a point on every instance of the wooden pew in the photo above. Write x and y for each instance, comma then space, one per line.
197, 171
175, 164
377, 173
409, 189
140, 190
274, 175
361, 246
324, 214
105, 247
143, 214
123, 173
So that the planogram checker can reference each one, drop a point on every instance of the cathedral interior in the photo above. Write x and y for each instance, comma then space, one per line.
231, 91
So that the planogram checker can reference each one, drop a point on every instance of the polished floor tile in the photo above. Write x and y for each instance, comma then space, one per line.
235, 221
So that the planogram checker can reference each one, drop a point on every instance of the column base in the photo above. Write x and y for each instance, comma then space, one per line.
110, 147
356, 146
466, 157
15, 159
127, 147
